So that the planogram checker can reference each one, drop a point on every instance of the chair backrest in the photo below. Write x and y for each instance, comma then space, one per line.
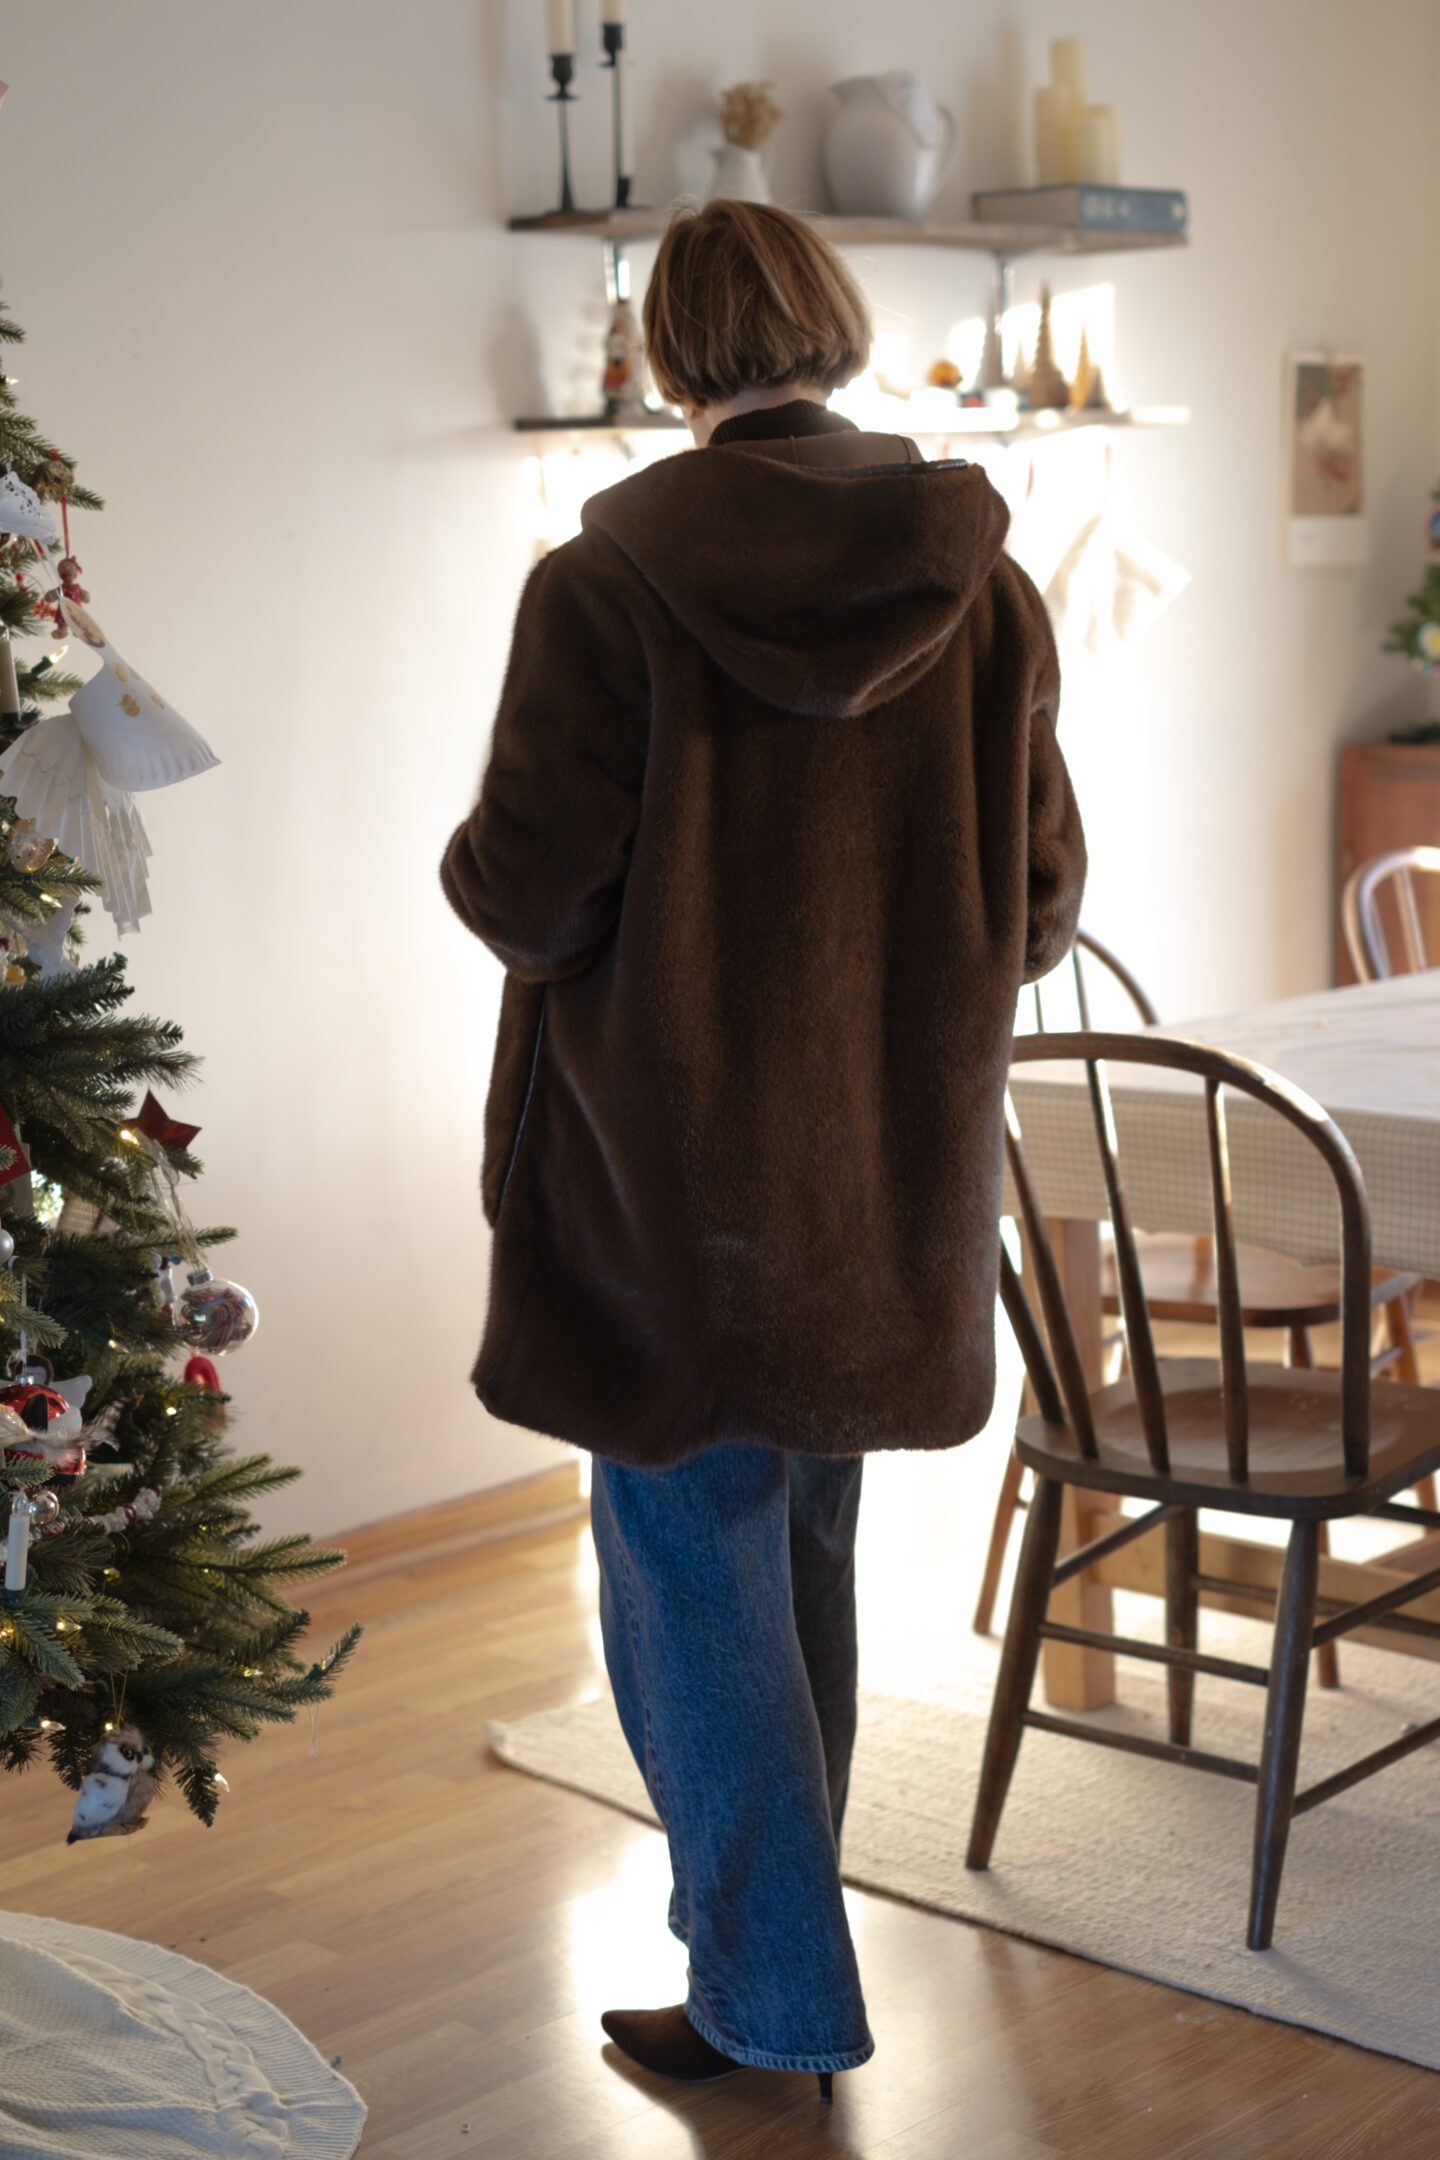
1360, 912
1060, 1388
1085, 953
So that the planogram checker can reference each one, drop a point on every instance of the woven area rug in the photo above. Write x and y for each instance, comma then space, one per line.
1137, 1864
119, 2050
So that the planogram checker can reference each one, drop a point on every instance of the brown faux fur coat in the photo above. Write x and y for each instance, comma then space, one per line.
773, 829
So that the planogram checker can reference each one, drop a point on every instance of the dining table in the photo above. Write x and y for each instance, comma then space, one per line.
1369, 1056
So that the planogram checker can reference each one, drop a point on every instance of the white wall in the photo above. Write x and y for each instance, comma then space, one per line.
272, 310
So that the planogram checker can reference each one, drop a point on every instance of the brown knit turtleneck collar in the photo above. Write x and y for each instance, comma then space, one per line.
774, 423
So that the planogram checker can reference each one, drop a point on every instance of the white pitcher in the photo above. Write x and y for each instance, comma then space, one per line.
888, 146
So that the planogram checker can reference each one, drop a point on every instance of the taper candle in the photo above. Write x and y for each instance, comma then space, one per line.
613, 11
17, 1547
625, 139
560, 25
9, 688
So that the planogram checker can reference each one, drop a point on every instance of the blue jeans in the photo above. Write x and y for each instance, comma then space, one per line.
727, 1601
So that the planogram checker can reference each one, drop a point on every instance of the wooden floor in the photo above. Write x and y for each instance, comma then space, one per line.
451, 1930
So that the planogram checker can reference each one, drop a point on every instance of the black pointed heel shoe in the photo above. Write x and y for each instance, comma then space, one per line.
666, 2042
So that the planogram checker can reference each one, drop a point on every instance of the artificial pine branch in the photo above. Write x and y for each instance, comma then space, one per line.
177, 1621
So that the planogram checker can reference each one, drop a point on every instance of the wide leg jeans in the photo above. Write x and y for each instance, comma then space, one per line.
727, 1602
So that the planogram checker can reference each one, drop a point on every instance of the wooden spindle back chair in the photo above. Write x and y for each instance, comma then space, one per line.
1188, 1433
1361, 913
1219, 1070
1088, 948
1182, 1287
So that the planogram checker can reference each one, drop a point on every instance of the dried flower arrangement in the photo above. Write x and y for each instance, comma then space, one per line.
749, 115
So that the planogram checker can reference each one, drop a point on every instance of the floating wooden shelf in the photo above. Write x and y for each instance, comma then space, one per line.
969, 421
979, 237
598, 424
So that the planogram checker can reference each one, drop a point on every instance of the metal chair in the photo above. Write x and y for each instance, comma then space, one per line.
1182, 1289
1303, 1447
1360, 912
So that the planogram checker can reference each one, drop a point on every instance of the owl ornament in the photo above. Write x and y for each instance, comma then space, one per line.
117, 1789
75, 777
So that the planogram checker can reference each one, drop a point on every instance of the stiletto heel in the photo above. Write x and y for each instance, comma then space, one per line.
827, 2085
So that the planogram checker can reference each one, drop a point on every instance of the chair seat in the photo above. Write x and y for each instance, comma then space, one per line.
1179, 1277
1296, 1466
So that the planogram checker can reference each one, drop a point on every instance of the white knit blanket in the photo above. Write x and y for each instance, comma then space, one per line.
118, 2050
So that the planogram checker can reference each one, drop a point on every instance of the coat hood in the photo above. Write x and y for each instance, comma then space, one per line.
825, 571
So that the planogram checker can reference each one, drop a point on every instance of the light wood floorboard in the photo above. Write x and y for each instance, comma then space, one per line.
451, 1930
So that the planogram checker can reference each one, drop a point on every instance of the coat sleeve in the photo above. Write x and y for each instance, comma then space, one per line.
1057, 861
538, 868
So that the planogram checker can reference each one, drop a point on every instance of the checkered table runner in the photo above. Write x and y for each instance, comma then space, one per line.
1370, 1056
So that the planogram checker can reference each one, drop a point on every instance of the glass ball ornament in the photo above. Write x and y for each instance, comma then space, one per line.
214, 1315
7, 1247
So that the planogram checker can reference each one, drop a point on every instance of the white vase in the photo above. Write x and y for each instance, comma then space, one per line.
888, 146
739, 175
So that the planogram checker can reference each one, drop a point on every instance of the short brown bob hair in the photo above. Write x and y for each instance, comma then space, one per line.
746, 297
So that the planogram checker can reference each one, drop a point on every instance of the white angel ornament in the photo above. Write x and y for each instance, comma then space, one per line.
76, 775
23, 513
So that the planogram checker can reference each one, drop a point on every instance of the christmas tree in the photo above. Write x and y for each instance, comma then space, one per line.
144, 1619
1417, 633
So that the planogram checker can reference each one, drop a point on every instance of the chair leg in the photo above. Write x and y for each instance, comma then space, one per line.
1327, 1657
1407, 1369
1005, 1508
1397, 1322
1284, 1718
1018, 1660
1182, 1611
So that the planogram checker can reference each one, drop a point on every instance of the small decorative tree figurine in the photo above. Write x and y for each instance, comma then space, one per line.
1417, 631
749, 116
1045, 386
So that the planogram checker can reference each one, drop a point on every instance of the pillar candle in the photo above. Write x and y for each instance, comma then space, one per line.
1067, 68
560, 25
1052, 136
1095, 135
17, 1546
625, 89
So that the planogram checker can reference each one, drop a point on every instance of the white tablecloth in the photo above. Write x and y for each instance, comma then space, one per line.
1370, 1056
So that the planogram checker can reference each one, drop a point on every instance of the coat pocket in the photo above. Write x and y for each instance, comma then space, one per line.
512, 1081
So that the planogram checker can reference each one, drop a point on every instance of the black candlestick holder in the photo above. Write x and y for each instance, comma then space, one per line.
612, 37
562, 68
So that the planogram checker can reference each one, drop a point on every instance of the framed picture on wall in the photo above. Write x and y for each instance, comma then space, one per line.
1325, 518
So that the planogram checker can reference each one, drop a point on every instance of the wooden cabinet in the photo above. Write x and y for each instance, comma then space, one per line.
1389, 798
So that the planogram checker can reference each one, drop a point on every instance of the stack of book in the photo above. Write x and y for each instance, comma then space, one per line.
1087, 208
